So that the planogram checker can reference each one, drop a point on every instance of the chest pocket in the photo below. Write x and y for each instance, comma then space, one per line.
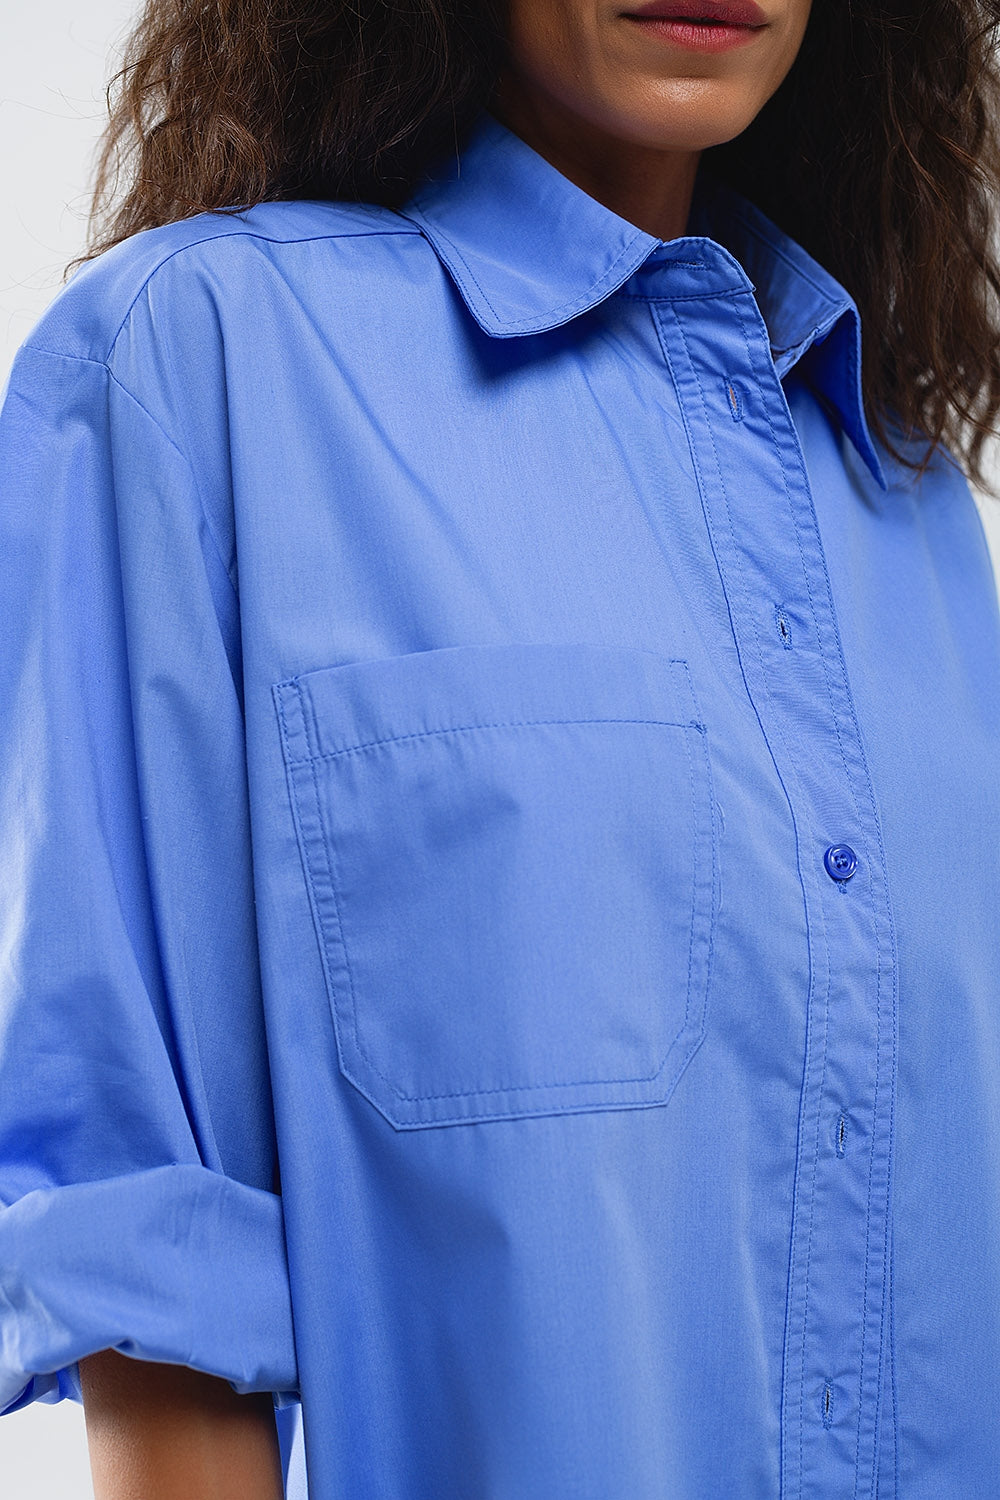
510, 858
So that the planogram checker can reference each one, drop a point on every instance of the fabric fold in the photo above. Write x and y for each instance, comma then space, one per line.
176, 1263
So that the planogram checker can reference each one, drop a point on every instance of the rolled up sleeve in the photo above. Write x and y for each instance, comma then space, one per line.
137, 1153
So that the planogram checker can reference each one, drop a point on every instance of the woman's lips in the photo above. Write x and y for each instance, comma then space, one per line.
700, 25
718, 12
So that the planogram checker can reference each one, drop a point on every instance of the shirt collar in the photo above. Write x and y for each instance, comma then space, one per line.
529, 250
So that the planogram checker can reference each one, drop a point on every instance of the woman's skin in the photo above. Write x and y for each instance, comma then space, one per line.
163, 1432
623, 108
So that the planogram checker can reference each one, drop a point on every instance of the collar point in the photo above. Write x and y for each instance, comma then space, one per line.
869, 455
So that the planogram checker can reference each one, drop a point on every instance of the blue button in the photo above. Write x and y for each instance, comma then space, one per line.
841, 861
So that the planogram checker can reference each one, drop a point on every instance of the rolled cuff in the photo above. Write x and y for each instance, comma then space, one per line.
178, 1264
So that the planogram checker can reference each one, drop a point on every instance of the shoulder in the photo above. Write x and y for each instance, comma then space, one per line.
210, 263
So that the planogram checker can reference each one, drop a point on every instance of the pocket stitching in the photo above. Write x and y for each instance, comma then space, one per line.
513, 1088
421, 734
700, 873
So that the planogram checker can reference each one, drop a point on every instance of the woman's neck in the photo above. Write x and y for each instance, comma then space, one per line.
648, 187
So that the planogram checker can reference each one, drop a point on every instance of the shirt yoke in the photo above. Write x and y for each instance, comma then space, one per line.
86, 317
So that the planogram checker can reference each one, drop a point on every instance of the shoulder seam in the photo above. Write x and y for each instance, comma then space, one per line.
210, 529
101, 364
254, 234
406, 227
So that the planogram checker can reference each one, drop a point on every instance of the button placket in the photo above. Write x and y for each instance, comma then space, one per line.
838, 1265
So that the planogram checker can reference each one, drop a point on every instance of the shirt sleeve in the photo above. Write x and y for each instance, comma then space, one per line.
138, 1208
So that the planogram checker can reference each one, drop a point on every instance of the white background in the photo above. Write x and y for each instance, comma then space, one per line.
55, 58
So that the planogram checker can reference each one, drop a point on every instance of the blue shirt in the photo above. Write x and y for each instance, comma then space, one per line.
501, 789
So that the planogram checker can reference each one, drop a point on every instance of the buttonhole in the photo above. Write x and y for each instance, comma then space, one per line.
827, 1404
735, 398
783, 627
841, 1135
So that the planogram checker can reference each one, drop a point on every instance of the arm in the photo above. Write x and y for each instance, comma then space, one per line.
137, 1145
168, 1432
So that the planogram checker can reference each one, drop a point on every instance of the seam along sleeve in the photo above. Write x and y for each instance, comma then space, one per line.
137, 1155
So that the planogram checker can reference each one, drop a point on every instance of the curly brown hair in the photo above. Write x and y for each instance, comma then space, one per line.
880, 153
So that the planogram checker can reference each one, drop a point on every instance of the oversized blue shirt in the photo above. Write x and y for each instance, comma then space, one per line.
500, 786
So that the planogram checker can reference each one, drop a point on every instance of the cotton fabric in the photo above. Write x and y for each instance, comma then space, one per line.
440, 649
